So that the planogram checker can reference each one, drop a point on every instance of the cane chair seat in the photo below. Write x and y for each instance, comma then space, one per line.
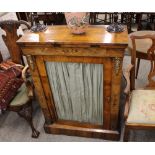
142, 108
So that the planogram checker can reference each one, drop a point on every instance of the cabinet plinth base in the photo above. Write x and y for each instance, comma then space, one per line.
69, 130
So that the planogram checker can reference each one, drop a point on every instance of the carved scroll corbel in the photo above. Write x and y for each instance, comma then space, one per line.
30, 61
117, 64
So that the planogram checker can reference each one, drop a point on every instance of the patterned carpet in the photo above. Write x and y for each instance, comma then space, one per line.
15, 129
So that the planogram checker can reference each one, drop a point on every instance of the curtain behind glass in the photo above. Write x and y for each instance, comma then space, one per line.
78, 91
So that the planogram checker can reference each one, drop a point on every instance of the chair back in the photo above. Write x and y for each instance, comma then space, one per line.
11, 27
151, 57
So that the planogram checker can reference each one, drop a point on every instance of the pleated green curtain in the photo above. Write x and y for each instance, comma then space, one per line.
78, 91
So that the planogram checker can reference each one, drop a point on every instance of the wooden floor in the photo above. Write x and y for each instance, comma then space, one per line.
13, 128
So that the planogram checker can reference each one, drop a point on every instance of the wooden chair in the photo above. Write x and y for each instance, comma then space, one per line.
48, 18
11, 27
145, 20
140, 104
22, 102
23, 16
143, 44
127, 19
106, 18
140, 52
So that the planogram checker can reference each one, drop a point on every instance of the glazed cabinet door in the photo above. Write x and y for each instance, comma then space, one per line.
77, 89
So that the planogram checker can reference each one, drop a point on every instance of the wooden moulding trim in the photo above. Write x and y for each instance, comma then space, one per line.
79, 124
68, 44
46, 87
81, 131
74, 51
74, 59
140, 126
107, 69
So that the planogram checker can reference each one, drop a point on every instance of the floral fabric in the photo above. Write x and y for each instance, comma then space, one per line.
142, 109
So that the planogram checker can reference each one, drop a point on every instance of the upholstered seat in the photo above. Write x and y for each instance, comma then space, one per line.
21, 98
139, 110
142, 108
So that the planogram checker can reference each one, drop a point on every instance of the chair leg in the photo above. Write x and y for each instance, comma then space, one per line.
126, 134
137, 68
26, 113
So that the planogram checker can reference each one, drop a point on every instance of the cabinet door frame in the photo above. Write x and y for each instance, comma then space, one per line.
107, 78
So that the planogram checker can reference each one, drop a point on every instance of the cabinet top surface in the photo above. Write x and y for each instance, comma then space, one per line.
95, 34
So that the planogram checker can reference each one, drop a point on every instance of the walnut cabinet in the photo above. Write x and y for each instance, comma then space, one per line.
77, 79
